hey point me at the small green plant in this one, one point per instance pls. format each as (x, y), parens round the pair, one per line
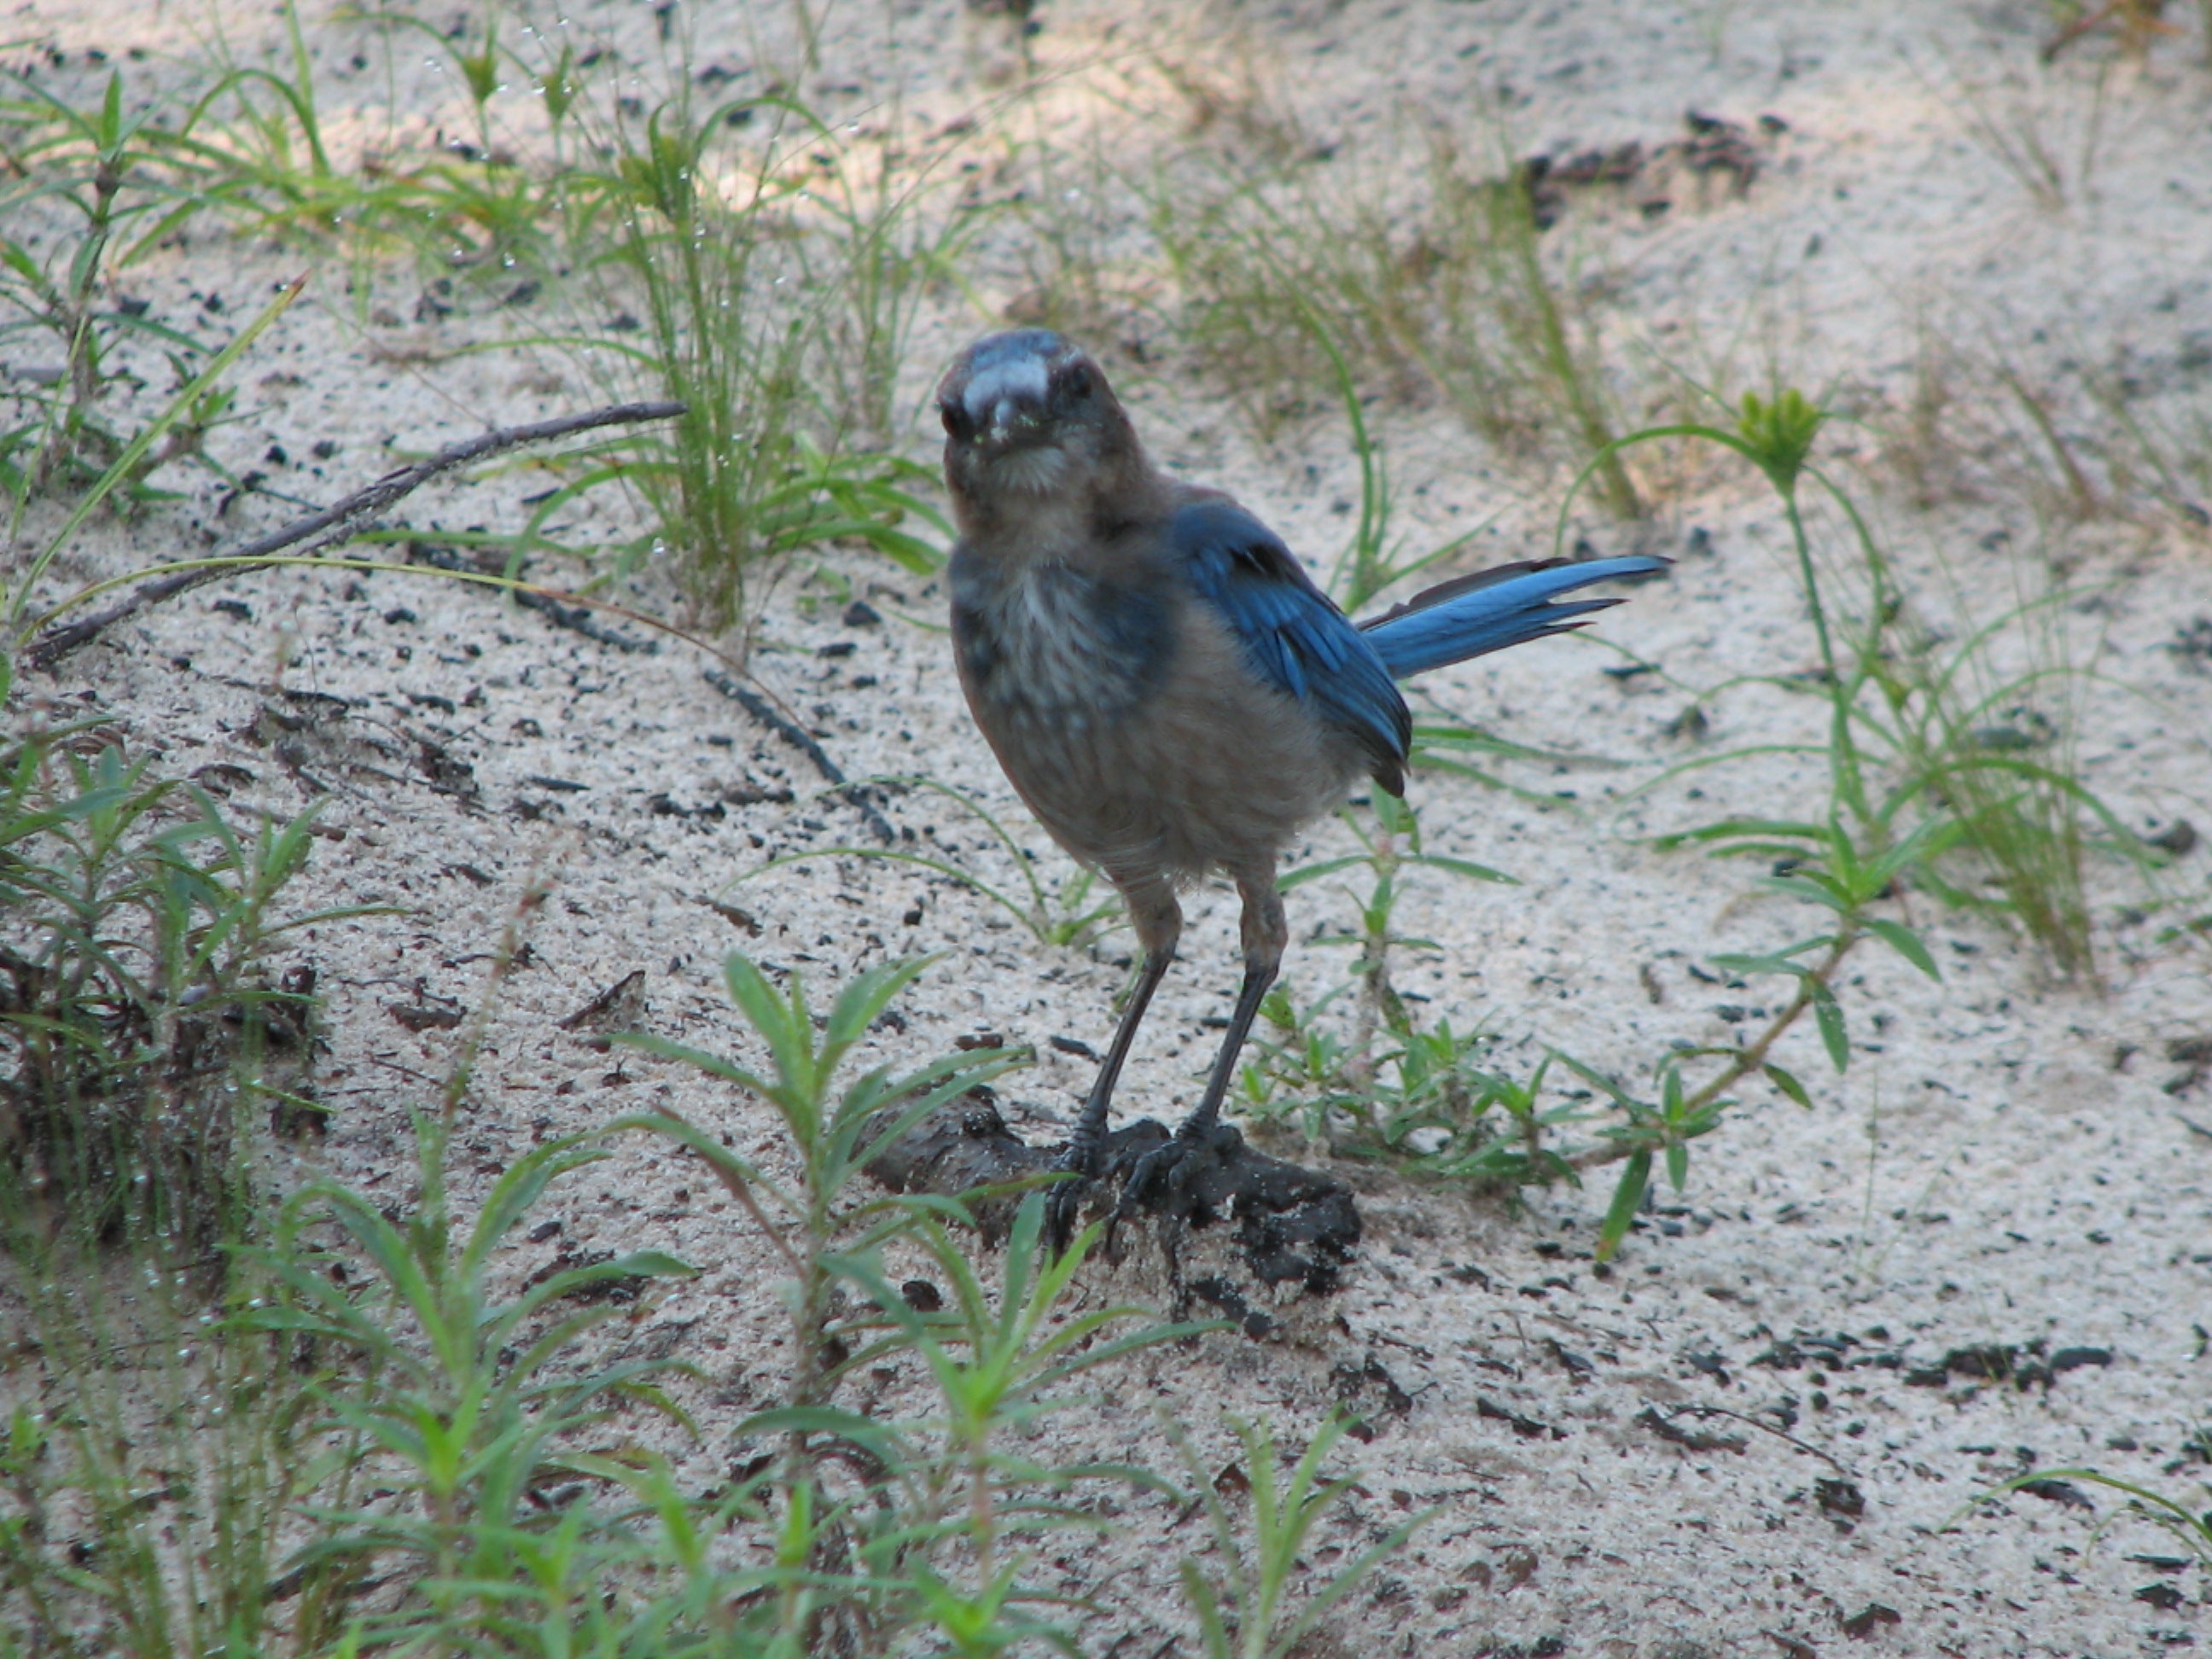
(1373, 561)
(194, 403)
(387, 1437)
(922, 1541)
(995, 1361)
(146, 1501)
(1389, 840)
(1428, 1098)
(697, 234)
(1912, 781)
(256, 140)
(2190, 1527)
(321, 1433)
(364, 1445)
(1919, 775)
(1245, 1603)
(136, 1025)
(1916, 738)
(810, 1222)
(1826, 868)
(100, 187)
(717, 487)
(1384, 1086)
(460, 1406)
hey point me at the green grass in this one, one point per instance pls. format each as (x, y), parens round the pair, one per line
(147, 1499)
(1959, 745)
(141, 1033)
(486, 208)
(145, 1044)
(96, 187)
(2072, 433)
(1378, 1085)
(778, 309)
(1916, 784)
(1245, 1609)
(2190, 1526)
(1942, 775)
(1288, 266)
(778, 315)
(386, 1434)
(372, 1431)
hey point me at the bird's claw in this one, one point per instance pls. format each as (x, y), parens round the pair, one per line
(1063, 1204)
(1152, 1173)
(1142, 1180)
(1063, 1209)
(1145, 1171)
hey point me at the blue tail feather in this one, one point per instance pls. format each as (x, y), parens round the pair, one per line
(1492, 610)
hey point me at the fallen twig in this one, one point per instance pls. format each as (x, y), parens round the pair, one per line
(578, 618)
(1689, 1439)
(803, 740)
(333, 525)
(1667, 1429)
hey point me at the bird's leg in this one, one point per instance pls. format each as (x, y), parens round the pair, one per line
(1088, 1144)
(1266, 933)
(1158, 921)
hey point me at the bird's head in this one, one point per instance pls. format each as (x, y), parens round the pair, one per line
(1027, 414)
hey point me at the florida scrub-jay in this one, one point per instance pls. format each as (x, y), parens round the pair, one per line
(1163, 683)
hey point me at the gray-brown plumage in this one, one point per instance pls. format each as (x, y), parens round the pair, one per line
(1162, 681)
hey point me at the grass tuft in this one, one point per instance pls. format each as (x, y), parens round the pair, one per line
(1289, 265)
(138, 1027)
(724, 276)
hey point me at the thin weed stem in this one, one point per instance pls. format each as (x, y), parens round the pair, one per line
(1749, 1062)
(514, 943)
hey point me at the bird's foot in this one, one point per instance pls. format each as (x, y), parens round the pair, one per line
(1157, 1178)
(1080, 1165)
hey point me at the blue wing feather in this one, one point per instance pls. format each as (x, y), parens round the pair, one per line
(1293, 635)
(1299, 641)
(1492, 610)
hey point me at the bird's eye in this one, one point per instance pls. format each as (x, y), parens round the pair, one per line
(1077, 382)
(955, 419)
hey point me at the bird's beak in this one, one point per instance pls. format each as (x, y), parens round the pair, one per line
(1009, 421)
(1000, 396)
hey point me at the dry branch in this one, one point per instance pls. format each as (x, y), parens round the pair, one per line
(800, 738)
(333, 525)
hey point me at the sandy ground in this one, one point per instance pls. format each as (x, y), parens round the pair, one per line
(2007, 1161)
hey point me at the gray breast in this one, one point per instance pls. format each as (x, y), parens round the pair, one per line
(1049, 644)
